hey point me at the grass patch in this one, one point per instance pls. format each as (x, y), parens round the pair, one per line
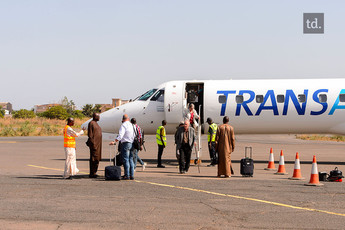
(39, 126)
(26, 129)
(317, 137)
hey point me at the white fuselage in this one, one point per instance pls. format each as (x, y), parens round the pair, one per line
(253, 106)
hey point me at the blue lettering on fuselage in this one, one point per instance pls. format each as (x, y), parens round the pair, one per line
(244, 103)
(299, 108)
(316, 99)
(270, 99)
(225, 93)
(273, 107)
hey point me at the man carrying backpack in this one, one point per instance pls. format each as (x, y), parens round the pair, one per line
(140, 140)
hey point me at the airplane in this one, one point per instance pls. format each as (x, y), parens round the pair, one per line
(270, 106)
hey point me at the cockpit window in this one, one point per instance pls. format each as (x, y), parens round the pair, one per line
(147, 95)
(159, 96)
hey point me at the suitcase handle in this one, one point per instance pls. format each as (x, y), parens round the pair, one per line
(110, 146)
(250, 150)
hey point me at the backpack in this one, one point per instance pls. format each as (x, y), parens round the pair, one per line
(136, 142)
(142, 137)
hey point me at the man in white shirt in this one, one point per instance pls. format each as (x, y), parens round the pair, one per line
(126, 137)
(69, 146)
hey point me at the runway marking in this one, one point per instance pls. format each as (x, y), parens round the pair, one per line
(41, 167)
(243, 198)
(8, 142)
(219, 194)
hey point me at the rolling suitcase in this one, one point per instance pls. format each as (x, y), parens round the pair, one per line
(112, 172)
(247, 163)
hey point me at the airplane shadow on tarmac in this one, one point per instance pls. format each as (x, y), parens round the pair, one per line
(173, 162)
(52, 177)
(215, 177)
(162, 172)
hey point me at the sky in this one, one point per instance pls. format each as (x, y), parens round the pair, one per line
(92, 51)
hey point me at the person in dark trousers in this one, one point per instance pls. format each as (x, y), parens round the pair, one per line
(161, 141)
(185, 140)
(211, 140)
(176, 133)
(94, 142)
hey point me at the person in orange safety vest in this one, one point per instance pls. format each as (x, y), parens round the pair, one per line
(69, 145)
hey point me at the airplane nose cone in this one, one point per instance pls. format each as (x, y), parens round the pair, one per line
(85, 124)
(110, 121)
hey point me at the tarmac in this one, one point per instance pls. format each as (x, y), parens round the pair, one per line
(33, 194)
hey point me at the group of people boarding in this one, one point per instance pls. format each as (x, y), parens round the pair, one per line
(221, 143)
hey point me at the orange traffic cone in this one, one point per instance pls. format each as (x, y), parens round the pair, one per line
(281, 168)
(297, 170)
(271, 162)
(314, 177)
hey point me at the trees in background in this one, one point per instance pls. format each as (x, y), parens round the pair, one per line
(23, 113)
(62, 112)
(56, 112)
(67, 109)
(89, 109)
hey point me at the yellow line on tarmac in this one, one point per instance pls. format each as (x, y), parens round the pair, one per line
(8, 142)
(243, 198)
(41, 167)
(219, 194)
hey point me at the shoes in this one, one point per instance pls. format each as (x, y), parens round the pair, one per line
(68, 178)
(144, 166)
(131, 178)
(182, 172)
(93, 176)
(160, 166)
(124, 178)
(211, 165)
(225, 176)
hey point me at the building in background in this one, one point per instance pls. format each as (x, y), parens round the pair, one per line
(115, 103)
(43, 108)
(7, 107)
(104, 107)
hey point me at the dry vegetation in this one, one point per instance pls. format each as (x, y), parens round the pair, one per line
(317, 137)
(38, 126)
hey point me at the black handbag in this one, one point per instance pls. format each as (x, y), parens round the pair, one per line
(335, 175)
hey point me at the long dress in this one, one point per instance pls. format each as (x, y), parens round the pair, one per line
(225, 145)
(94, 133)
(70, 156)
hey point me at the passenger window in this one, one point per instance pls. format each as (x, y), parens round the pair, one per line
(239, 99)
(280, 98)
(323, 98)
(159, 96)
(301, 98)
(147, 95)
(259, 98)
(342, 97)
(222, 99)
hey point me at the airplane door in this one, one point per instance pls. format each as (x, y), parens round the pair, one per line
(173, 102)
